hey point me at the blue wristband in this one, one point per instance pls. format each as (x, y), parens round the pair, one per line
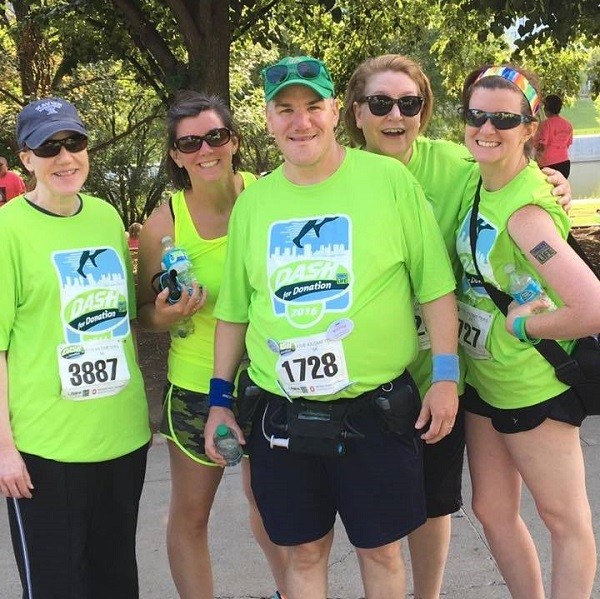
(220, 393)
(520, 332)
(445, 368)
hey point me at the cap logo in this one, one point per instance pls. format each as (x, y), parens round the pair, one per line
(50, 107)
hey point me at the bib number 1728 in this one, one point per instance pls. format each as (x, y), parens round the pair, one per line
(313, 367)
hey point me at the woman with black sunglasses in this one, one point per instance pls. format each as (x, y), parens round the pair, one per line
(73, 412)
(202, 162)
(388, 104)
(387, 108)
(522, 423)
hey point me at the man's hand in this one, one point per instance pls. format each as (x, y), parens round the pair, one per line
(14, 478)
(440, 405)
(216, 416)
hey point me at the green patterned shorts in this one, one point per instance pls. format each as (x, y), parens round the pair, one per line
(183, 420)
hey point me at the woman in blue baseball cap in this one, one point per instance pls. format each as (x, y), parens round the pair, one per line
(73, 413)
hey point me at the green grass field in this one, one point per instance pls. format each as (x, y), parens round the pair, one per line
(585, 213)
(584, 116)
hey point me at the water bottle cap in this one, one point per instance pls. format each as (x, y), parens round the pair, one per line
(166, 238)
(509, 268)
(222, 430)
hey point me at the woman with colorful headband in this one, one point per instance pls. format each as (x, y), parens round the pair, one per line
(522, 423)
(388, 105)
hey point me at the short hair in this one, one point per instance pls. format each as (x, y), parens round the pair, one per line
(387, 62)
(189, 103)
(553, 104)
(472, 82)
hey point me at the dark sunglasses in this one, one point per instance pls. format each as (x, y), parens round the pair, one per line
(278, 73)
(500, 120)
(52, 147)
(382, 105)
(192, 143)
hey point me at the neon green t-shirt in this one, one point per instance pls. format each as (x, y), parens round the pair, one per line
(190, 362)
(446, 172)
(324, 274)
(67, 300)
(512, 374)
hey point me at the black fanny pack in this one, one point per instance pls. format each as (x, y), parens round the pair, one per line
(322, 428)
(318, 428)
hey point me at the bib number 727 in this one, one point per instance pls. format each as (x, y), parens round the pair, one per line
(473, 330)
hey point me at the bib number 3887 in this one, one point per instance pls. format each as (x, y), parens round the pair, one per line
(92, 369)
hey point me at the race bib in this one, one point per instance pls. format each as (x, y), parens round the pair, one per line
(473, 330)
(92, 369)
(422, 334)
(313, 365)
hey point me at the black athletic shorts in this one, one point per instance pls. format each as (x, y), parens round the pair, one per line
(443, 467)
(376, 486)
(563, 408)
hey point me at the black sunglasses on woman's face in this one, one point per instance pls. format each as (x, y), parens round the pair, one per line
(214, 138)
(52, 147)
(501, 120)
(380, 105)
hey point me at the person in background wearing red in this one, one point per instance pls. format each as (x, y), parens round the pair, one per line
(133, 235)
(553, 138)
(11, 183)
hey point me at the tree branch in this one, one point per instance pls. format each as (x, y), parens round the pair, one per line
(252, 19)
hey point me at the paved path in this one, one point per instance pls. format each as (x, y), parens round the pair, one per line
(241, 571)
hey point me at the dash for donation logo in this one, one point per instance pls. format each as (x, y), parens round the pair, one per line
(309, 267)
(98, 309)
(93, 293)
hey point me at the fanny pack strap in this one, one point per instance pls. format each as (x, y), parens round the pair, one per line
(566, 368)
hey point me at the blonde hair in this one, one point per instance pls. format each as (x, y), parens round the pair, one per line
(387, 62)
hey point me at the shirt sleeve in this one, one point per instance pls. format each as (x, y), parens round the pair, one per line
(11, 286)
(428, 263)
(236, 292)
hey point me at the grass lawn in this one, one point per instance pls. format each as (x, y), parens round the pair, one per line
(585, 213)
(584, 116)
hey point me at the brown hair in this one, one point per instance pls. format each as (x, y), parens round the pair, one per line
(134, 230)
(497, 82)
(387, 62)
(190, 103)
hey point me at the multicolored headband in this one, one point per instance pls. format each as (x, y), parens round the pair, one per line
(519, 80)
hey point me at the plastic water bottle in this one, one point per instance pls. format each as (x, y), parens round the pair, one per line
(227, 445)
(524, 288)
(175, 258)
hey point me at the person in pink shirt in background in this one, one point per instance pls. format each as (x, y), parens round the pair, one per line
(11, 184)
(553, 138)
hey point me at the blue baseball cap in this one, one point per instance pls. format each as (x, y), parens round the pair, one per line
(40, 120)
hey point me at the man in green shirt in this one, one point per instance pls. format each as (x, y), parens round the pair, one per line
(325, 256)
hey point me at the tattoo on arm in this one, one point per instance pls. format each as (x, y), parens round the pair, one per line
(542, 252)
